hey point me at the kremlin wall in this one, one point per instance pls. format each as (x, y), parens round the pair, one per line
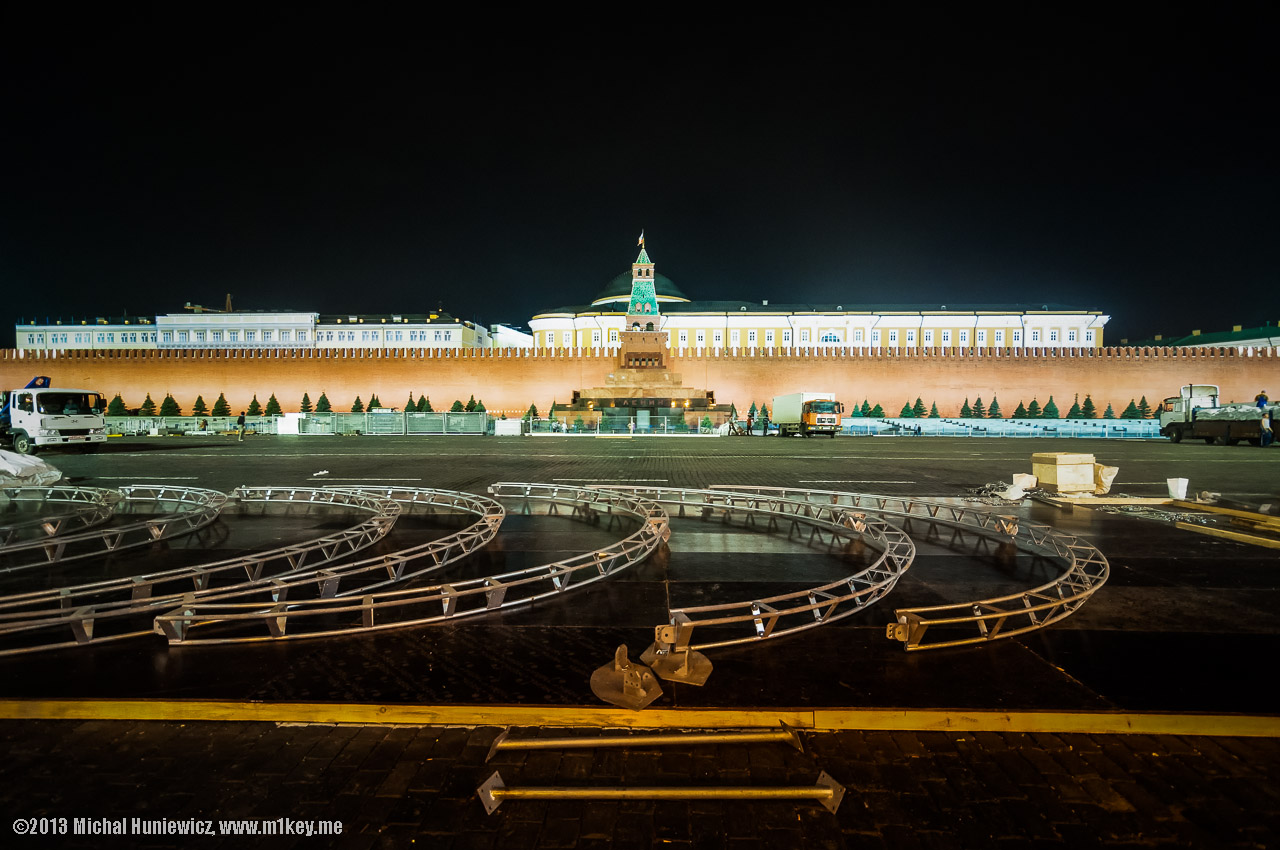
(509, 380)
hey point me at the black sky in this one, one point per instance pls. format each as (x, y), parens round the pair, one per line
(360, 159)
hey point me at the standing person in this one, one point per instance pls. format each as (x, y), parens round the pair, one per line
(240, 425)
(1261, 399)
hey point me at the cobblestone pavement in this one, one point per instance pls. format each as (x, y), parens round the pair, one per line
(401, 787)
(1185, 624)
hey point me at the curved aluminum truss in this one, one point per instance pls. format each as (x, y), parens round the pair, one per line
(426, 605)
(835, 526)
(181, 510)
(34, 620)
(62, 508)
(1085, 569)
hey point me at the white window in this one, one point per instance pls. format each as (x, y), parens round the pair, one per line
(1017, 336)
(751, 338)
(595, 338)
(399, 335)
(199, 336)
(1088, 336)
(964, 337)
(567, 337)
(111, 337)
(133, 337)
(284, 336)
(804, 336)
(250, 336)
(875, 337)
(1035, 336)
(448, 336)
(719, 339)
(233, 336)
(999, 335)
(982, 337)
(911, 337)
(613, 335)
(735, 338)
(928, 337)
(217, 336)
(1071, 335)
(946, 337)
(893, 337)
(768, 339)
(439, 337)
(1053, 335)
(786, 338)
(684, 339)
(183, 336)
(701, 338)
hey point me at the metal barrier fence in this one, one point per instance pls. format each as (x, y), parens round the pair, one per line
(398, 423)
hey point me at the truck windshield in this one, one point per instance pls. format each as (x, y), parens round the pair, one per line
(68, 402)
(823, 407)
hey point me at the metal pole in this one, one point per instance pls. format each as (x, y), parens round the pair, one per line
(827, 791)
(785, 735)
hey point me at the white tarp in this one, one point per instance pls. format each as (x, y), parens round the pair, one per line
(25, 471)
(1234, 412)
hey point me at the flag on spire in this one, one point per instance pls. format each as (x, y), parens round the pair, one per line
(641, 242)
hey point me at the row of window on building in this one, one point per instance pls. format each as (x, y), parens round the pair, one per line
(894, 338)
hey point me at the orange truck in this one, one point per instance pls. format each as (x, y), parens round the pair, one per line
(806, 414)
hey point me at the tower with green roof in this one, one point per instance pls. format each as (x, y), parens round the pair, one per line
(642, 309)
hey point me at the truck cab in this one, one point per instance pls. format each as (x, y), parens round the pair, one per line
(39, 415)
(1182, 407)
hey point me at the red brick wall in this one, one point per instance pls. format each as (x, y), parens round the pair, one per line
(507, 380)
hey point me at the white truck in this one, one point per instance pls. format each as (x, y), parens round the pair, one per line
(1196, 414)
(40, 415)
(806, 414)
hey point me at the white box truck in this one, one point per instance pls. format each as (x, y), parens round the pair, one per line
(806, 414)
(40, 415)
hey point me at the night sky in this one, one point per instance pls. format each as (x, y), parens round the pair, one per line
(389, 161)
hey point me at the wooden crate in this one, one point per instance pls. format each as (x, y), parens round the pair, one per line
(1063, 472)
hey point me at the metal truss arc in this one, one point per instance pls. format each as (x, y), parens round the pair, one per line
(83, 608)
(803, 609)
(78, 508)
(1085, 569)
(393, 609)
(182, 510)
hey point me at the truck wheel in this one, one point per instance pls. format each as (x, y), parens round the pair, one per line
(1231, 441)
(833, 435)
(1175, 435)
(1221, 441)
(23, 444)
(1209, 441)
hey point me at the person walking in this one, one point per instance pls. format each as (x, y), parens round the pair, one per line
(240, 425)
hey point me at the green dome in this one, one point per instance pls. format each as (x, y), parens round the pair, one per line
(619, 289)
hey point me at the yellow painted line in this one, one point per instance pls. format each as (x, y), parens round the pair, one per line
(824, 719)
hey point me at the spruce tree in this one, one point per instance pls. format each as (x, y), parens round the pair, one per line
(1020, 413)
(532, 412)
(1075, 412)
(752, 411)
(410, 405)
(199, 408)
(322, 403)
(764, 414)
(877, 412)
(479, 406)
(856, 411)
(148, 407)
(933, 411)
(1087, 410)
(273, 406)
(374, 404)
(470, 406)
(965, 410)
(733, 412)
(907, 412)
(993, 412)
(459, 407)
(979, 409)
(357, 406)
(255, 409)
(424, 405)
(169, 407)
(221, 407)
(116, 407)
(1109, 414)
(1131, 412)
(1033, 409)
(1050, 410)
(917, 409)
(866, 408)
(305, 407)
(1144, 409)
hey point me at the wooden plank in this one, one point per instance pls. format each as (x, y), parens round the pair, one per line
(1265, 519)
(1238, 536)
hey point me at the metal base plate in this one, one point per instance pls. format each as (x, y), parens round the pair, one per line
(491, 803)
(688, 667)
